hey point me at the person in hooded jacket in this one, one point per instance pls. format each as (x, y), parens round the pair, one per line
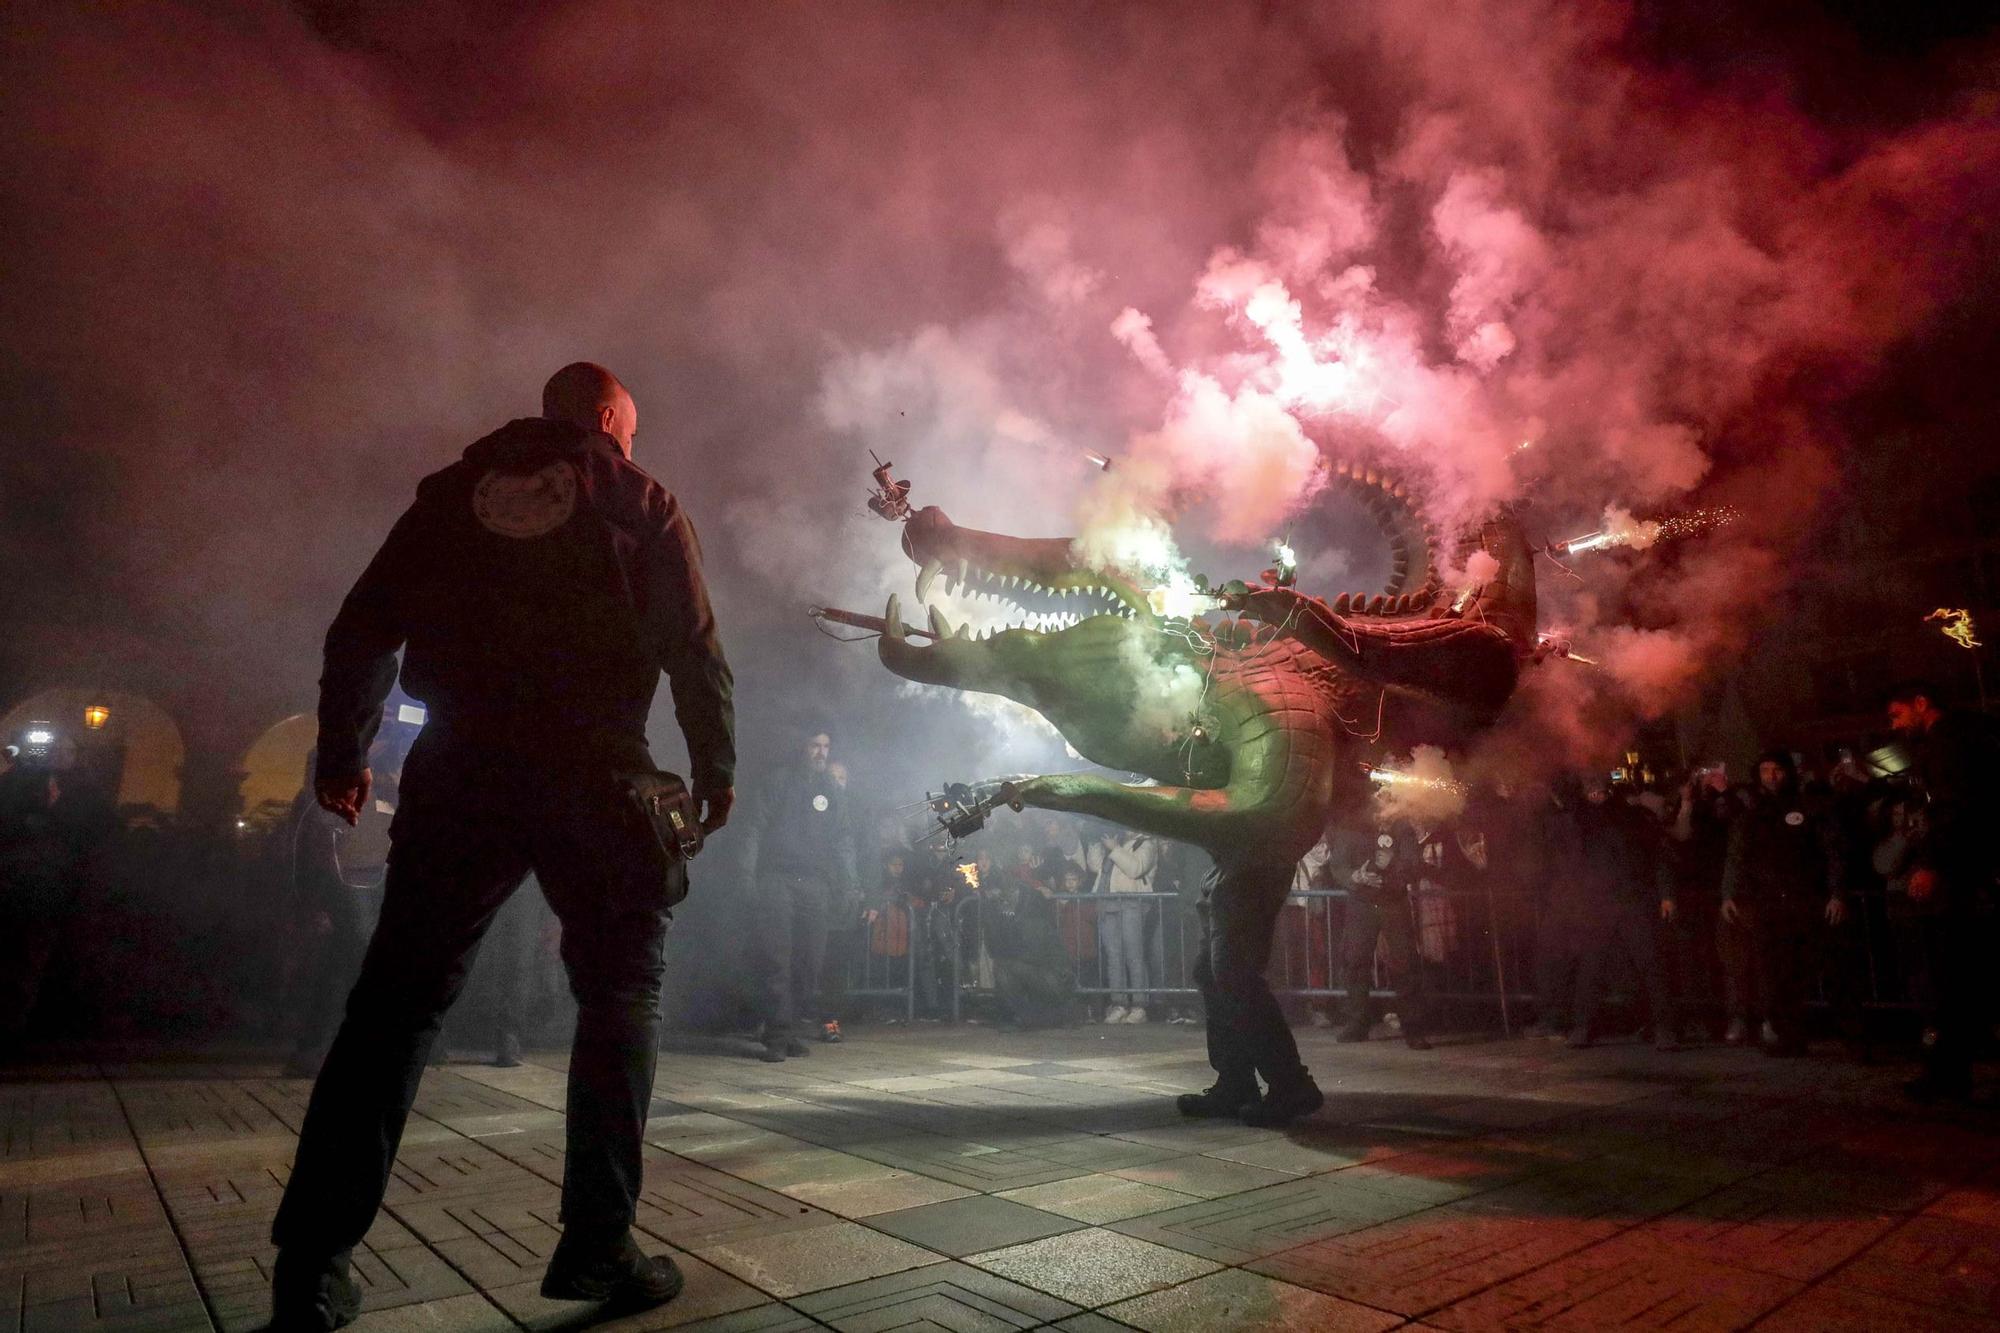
(1625, 890)
(1784, 874)
(537, 589)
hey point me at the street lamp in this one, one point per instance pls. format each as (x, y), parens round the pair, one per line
(95, 716)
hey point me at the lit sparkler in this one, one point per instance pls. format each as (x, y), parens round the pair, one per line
(1956, 622)
(1621, 529)
(969, 872)
(1392, 777)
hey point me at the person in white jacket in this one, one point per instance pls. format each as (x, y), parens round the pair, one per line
(1122, 863)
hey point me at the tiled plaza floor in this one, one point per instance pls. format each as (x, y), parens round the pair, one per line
(962, 1179)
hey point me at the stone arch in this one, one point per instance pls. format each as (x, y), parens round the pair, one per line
(274, 767)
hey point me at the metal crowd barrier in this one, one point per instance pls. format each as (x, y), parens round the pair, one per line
(1477, 947)
(1462, 938)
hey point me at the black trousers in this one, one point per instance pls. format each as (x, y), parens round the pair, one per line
(791, 947)
(468, 830)
(1629, 928)
(1955, 945)
(1558, 931)
(1390, 919)
(1247, 1032)
(1795, 948)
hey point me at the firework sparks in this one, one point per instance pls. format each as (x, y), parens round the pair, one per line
(1696, 522)
(1622, 529)
(1956, 622)
(969, 872)
(1393, 777)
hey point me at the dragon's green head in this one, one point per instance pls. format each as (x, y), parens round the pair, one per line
(1082, 647)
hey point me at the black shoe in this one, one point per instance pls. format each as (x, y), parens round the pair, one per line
(793, 1046)
(626, 1278)
(1281, 1106)
(1216, 1103)
(1353, 1032)
(1416, 1041)
(312, 1295)
(507, 1051)
(771, 1053)
(1578, 1038)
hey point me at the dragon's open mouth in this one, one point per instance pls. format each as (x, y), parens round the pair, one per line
(1018, 601)
(978, 585)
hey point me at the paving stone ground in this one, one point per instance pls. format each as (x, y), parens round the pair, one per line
(964, 1179)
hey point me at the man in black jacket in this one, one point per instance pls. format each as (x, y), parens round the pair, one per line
(1951, 876)
(1784, 873)
(537, 588)
(1624, 889)
(801, 859)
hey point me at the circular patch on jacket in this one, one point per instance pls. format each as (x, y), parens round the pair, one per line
(1384, 840)
(819, 803)
(532, 504)
(1795, 818)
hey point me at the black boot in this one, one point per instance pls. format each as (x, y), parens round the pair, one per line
(507, 1051)
(623, 1275)
(1221, 1102)
(312, 1295)
(1286, 1102)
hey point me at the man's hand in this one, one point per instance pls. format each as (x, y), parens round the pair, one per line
(1923, 883)
(715, 807)
(345, 796)
(1667, 909)
(1729, 912)
(1836, 911)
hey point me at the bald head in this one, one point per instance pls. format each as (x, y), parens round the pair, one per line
(591, 396)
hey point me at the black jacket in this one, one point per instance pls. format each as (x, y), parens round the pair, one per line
(1784, 849)
(1622, 853)
(802, 826)
(538, 587)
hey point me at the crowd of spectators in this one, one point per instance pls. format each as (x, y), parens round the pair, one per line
(1802, 896)
(1753, 908)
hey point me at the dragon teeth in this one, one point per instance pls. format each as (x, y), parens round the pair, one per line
(927, 576)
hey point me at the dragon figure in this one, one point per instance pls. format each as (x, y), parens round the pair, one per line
(1293, 700)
